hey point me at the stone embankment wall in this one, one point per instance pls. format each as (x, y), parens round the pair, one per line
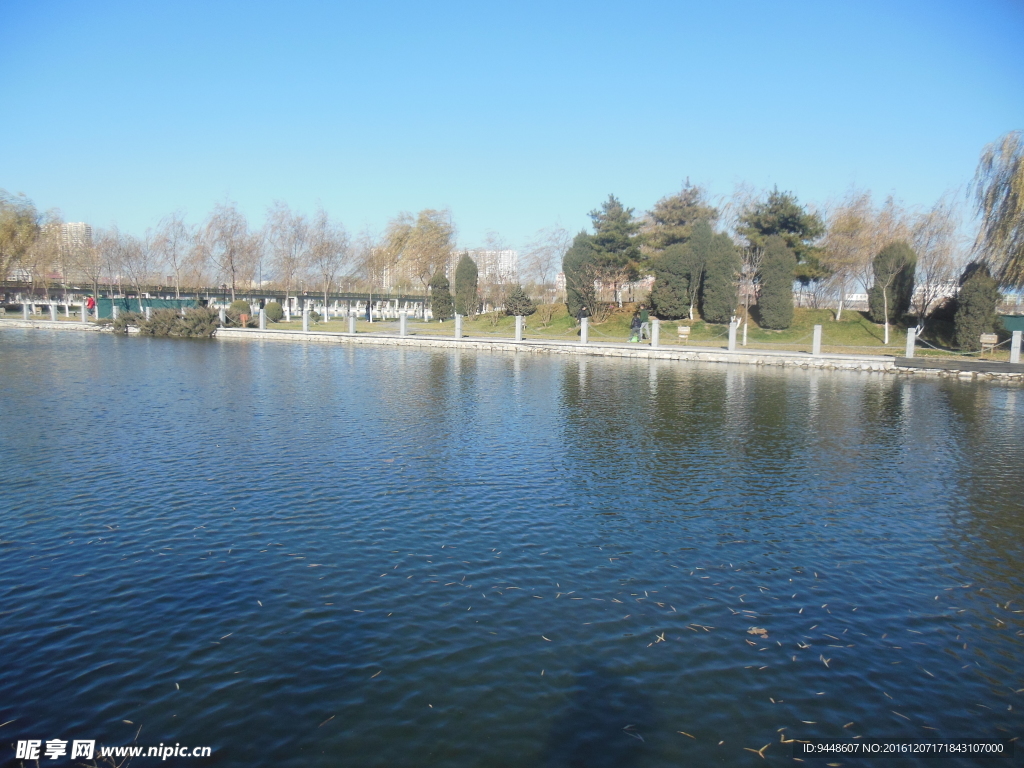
(868, 363)
(753, 357)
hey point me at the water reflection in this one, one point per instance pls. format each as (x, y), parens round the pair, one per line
(602, 723)
(403, 540)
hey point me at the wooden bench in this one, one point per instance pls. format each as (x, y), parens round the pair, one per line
(684, 333)
(988, 342)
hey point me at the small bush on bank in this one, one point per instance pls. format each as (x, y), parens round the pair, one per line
(235, 311)
(197, 322)
(275, 312)
(126, 319)
(162, 323)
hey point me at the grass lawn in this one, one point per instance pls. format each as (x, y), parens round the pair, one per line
(854, 334)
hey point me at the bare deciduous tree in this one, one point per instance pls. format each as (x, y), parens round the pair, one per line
(41, 259)
(91, 263)
(940, 254)
(328, 249)
(543, 257)
(229, 244)
(173, 244)
(133, 256)
(288, 236)
(849, 239)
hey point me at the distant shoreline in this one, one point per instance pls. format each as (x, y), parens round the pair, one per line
(755, 357)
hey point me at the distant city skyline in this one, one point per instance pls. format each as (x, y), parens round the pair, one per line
(372, 110)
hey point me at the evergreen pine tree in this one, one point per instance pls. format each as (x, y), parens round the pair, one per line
(976, 306)
(775, 300)
(719, 292)
(579, 265)
(670, 296)
(672, 219)
(441, 303)
(466, 301)
(519, 303)
(781, 214)
(615, 237)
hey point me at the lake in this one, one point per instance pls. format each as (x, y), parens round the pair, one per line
(306, 555)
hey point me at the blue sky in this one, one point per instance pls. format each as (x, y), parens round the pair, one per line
(514, 115)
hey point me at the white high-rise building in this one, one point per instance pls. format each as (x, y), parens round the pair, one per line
(493, 267)
(75, 237)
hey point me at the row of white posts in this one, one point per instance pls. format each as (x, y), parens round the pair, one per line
(584, 330)
(27, 310)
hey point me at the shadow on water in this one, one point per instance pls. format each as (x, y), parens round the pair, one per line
(601, 724)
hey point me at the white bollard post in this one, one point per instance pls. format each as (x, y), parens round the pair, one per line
(223, 317)
(744, 334)
(816, 342)
(911, 341)
(287, 312)
(305, 320)
(401, 323)
(1015, 347)
(351, 323)
(85, 313)
(458, 326)
(655, 332)
(519, 327)
(584, 330)
(732, 335)
(149, 313)
(263, 319)
(113, 310)
(24, 311)
(53, 313)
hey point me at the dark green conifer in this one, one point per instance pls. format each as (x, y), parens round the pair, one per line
(976, 306)
(775, 298)
(441, 302)
(466, 301)
(719, 294)
(519, 303)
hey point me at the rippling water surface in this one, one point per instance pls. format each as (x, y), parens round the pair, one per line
(330, 556)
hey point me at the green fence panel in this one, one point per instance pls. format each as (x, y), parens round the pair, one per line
(1013, 322)
(106, 306)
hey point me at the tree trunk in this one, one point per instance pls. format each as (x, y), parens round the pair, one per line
(885, 306)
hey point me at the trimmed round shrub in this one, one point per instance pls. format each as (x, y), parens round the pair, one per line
(275, 313)
(239, 307)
